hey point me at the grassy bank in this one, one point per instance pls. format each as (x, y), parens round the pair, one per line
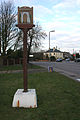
(58, 97)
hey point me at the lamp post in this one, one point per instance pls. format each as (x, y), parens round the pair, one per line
(49, 42)
(49, 37)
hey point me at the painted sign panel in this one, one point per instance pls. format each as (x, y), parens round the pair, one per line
(25, 15)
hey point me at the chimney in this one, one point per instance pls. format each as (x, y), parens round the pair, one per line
(53, 48)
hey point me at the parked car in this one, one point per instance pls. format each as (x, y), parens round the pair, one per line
(59, 60)
(77, 60)
(68, 59)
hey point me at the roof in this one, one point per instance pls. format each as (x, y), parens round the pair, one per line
(51, 50)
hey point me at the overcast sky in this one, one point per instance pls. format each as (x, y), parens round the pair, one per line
(63, 16)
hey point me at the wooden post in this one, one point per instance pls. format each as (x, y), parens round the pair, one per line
(25, 76)
(25, 23)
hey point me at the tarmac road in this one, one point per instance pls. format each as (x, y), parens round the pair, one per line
(68, 68)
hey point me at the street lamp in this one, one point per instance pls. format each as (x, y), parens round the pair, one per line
(49, 37)
(49, 43)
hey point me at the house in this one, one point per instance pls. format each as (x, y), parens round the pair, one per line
(53, 52)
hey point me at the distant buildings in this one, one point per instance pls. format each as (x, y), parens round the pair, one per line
(53, 52)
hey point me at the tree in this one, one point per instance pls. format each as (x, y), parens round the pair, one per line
(15, 54)
(34, 38)
(8, 31)
(35, 35)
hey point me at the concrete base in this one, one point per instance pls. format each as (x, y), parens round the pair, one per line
(25, 99)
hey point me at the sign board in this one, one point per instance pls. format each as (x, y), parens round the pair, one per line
(50, 69)
(25, 15)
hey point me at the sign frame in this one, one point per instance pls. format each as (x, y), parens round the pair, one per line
(25, 15)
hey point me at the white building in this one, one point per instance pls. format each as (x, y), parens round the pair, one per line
(53, 52)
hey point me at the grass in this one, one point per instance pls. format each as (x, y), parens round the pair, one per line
(58, 97)
(18, 67)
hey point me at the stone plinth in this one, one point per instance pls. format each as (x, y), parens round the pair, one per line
(25, 99)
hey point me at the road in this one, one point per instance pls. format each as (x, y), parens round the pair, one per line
(70, 69)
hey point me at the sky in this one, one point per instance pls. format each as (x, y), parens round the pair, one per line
(63, 16)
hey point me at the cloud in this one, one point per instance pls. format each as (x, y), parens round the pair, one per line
(78, 11)
(78, 2)
(67, 4)
(42, 11)
(67, 28)
(64, 39)
(63, 5)
(60, 5)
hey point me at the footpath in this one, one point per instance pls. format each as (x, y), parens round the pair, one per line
(20, 71)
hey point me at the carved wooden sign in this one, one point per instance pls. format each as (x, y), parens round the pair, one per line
(25, 15)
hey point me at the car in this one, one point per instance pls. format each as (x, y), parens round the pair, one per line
(59, 60)
(68, 59)
(77, 60)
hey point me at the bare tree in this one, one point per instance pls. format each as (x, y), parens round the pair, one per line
(8, 31)
(34, 38)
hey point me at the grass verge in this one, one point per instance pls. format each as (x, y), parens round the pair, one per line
(18, 67)
(58, 97)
